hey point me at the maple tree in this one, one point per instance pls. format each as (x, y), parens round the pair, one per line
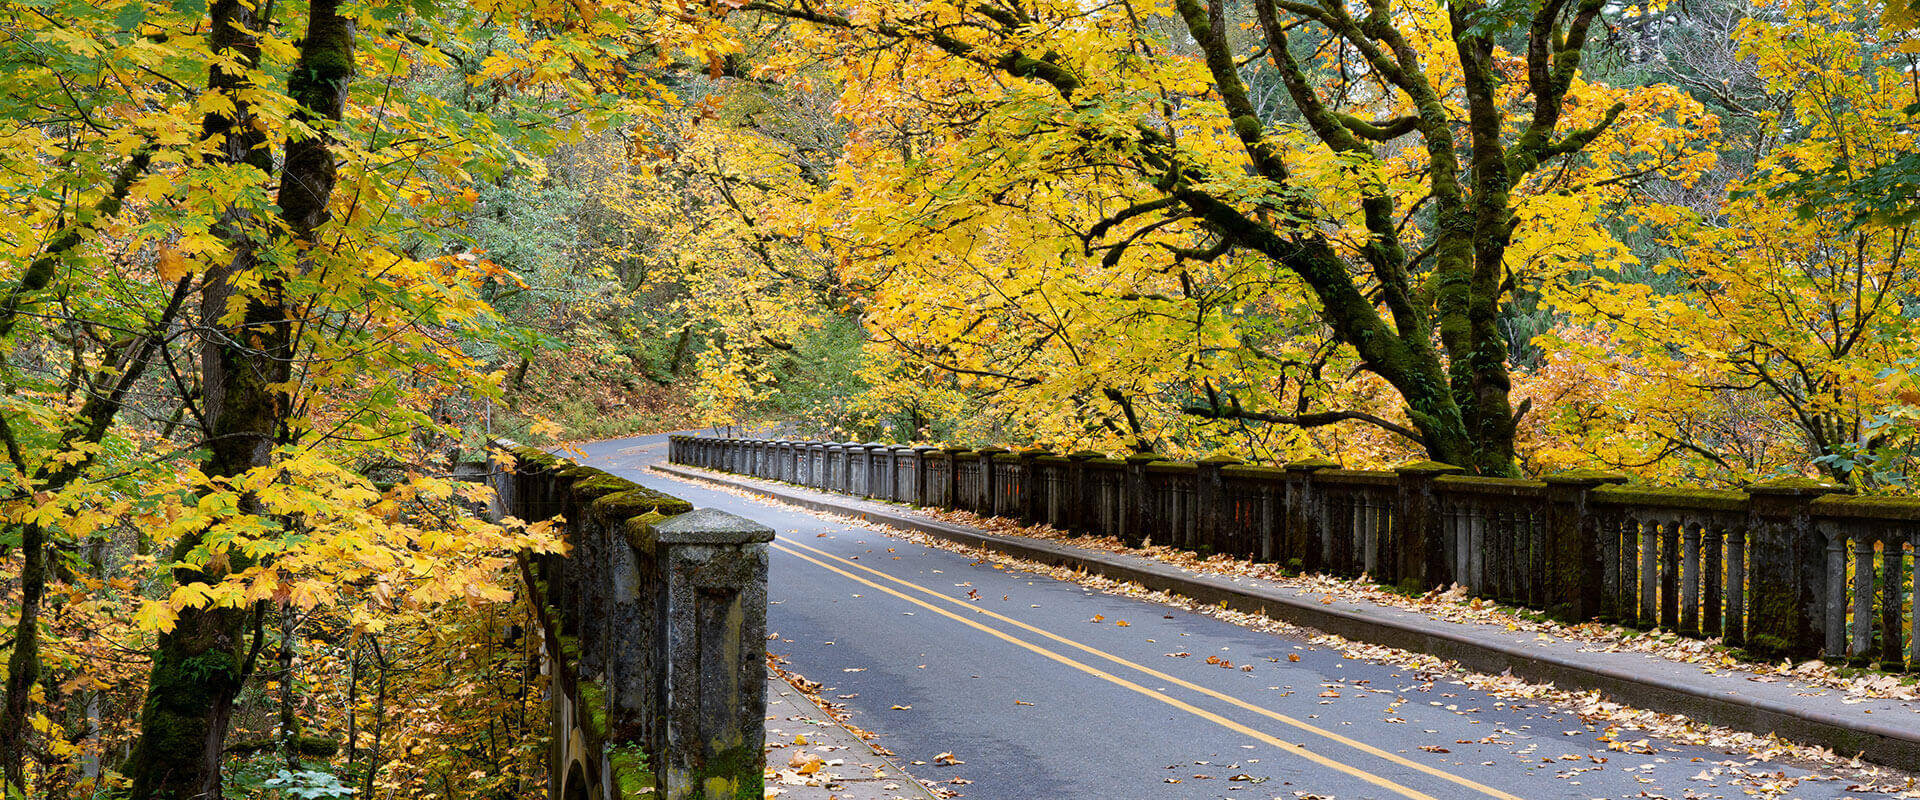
(238, 225)
(1073, 168)
(269, 270)
(1788, 338)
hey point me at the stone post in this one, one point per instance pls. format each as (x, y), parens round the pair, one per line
(1133, 507)
(1210, 502)
(1576, 586)
(1304, 514)
(1788, 580)
(712, 679)
(1422, 551)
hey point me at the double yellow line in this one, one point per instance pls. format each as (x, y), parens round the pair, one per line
(794, 549)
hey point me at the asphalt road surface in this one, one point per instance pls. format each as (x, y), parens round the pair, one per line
(1041, 688)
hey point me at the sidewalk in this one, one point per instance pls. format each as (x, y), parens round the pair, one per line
(1884, 731)
(799, 731)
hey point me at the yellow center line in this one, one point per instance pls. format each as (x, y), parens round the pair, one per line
(1257, 735)
(1221, 696)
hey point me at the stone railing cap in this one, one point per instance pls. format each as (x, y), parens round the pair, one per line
(710, 526)
(1218, 461)
(1310, 464)
(1800, 487)
(1142, 458)
(1427, 467)
(990, 450)
(1588, 477)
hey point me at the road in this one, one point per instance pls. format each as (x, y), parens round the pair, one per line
(1047, 689)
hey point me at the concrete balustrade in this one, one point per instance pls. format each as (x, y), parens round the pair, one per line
(1790, 568)
(654, 627)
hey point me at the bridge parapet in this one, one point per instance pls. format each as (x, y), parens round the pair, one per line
(654, 625)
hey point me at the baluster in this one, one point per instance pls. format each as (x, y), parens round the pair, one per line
(1690, 579)
(1835, 622)
(1711, 585)
(1370, 535)
(1543, 562)
(1736, 617)
(1477, 532)
(1913, 632)
(1649, 576)
(1608, 527)
(1862, 596)
(1509, 550)
(1670, 574)
(1892, 597)
(1629, 570)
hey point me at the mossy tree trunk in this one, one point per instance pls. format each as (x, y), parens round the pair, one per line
(200, 665)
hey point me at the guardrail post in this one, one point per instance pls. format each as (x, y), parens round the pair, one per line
(1210, 501)
(1788, 579)
(1133, 507)
(713, 591)
(1577, 585)
(1305, 514)
(1422, 550)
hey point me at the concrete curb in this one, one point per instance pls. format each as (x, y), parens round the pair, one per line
(1627, 678)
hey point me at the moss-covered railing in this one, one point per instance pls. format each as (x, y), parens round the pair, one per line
(655, 623)
(1790, 567)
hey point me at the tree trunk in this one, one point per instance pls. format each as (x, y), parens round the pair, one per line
(198, 668)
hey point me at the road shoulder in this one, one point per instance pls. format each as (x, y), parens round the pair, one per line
(799, 730)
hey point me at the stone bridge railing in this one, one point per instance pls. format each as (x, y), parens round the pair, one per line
(654, 626)
(1789, 567)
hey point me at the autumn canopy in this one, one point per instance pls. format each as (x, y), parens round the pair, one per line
(270, 270)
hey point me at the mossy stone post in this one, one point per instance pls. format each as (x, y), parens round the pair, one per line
(1420, 526)
(712, 681)
(1577, 584)
(1210, 507)
(983, 500)
(1031, 511)
(1305, 514)
(1133, 507)
(1788, 578)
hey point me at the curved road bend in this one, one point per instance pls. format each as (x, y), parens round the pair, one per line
(1009, 672)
